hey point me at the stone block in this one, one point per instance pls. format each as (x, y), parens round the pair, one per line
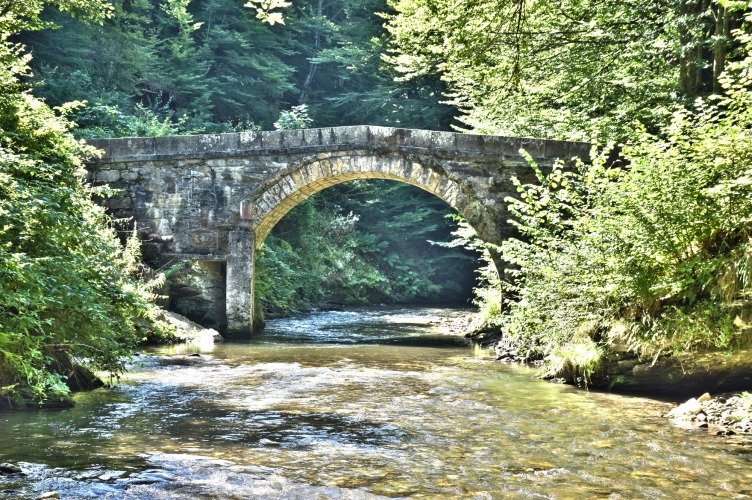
(443, 141)
(313, 137)
(381, 136)
(500, 146)
(218, 142)
(419, 139)
(357, 136)
(167, 145)
(108, 175)
(293, 138)
(204, 240)
(249, 140)
(271, 140)
(469, 144)
(534, 147)
(129, 175)
(130, 147)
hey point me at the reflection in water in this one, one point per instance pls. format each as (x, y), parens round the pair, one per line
(356, 405)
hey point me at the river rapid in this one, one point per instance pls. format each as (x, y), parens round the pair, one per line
(360, 404)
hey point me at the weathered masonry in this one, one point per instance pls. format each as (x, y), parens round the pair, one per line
(214, 198)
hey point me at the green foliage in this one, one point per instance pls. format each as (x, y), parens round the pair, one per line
(65, 280)
(296, 117)
(204, 66)
(370, 246)
(105, 121)
(264, 10)
(584, 70)
(653, 254)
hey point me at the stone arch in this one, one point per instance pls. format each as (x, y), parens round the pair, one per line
(284, 192)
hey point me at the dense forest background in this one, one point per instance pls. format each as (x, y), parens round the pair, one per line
(203, 66)
(651, 253)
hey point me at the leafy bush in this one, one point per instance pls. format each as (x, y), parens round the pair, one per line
(65, 280)
(652, 254)
(105, 121)
(296, 117)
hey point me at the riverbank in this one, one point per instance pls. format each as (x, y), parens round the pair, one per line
(79, 378)
(727, 376)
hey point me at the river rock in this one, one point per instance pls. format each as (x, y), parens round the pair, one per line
(189, 331)
(687, 410)
(7, 468)
(49, 494)
(731, 411)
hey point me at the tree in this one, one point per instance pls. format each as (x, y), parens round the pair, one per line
(582, 70)
(650, 254)
(65, 279)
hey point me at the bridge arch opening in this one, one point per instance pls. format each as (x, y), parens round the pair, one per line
(287, 190)
(281, 193)
(364, 242)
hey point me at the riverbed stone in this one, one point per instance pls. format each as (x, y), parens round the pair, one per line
(732, 411)
(48, 495)
(8, 468)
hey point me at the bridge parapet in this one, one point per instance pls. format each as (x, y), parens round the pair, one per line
(362, 137)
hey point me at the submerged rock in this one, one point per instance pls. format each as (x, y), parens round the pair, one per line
(49, 494)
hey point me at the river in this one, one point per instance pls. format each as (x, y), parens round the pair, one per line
(360, 404)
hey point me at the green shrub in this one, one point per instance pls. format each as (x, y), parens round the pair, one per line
(65, 280)
(652, 253)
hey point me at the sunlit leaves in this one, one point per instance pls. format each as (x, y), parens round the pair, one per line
(264, 10)
(64, 277)
(575, 70)
(659, 245)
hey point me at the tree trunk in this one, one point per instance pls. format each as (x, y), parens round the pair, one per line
(719, 49)
(317, 46)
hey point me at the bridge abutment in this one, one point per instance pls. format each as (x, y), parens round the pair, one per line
(239, 283)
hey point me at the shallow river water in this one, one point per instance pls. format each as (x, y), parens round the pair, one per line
(360, 404)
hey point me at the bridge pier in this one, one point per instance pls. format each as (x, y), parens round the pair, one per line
(239, 284)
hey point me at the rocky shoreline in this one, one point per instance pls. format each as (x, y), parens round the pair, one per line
(730, 412)
(727, 413)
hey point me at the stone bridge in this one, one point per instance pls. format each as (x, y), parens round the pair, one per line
(215, 198)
